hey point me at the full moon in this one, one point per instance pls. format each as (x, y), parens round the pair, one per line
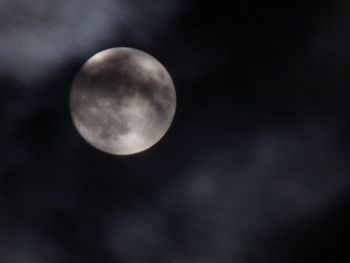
(122, 101)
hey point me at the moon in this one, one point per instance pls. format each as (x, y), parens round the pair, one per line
(122, 101)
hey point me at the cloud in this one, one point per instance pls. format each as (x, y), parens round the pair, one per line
(35, 38)
(223, 206)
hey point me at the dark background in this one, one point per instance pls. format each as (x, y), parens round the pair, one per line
(254, 168)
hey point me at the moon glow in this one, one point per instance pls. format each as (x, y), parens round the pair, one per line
(122, 101)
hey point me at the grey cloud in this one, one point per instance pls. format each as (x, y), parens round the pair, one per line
(24, 245)
(220, 210)
(36, 37)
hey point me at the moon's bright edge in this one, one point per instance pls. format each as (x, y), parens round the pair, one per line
(122, 101)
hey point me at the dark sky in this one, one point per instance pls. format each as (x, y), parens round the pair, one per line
(255, 167)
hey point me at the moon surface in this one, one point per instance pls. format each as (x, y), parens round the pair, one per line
(122, 101)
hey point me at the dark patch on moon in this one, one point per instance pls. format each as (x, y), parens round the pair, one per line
(123, 101)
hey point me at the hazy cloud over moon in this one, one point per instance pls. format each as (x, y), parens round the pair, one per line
(123, 101)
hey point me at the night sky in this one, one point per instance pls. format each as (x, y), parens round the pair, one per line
(255, 167)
